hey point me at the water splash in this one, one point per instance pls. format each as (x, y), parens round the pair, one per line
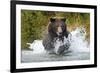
(36, 46)
(76, 39)
(78, 42)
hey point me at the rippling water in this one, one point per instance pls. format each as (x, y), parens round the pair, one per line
(79, 50)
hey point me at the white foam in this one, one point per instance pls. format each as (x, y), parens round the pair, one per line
(37, 46)
(78, 42)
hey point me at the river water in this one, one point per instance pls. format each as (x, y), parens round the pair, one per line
(79, 50)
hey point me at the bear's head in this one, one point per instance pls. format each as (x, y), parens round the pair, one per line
(57, 26)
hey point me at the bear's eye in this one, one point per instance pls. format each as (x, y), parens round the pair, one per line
(63, 25)
(57, 25)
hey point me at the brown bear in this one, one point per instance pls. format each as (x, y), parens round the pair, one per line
(57, 30)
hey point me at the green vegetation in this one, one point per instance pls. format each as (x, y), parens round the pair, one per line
(34, 24)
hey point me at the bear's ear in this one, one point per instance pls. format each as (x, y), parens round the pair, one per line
(63, 19)
(52, 19)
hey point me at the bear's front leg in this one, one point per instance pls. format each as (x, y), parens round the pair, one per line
(62, 49)
(48, 45)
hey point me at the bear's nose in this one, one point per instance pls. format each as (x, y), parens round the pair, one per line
(59, 30)
(60, 33)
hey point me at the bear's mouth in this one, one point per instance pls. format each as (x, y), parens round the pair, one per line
(59, 33)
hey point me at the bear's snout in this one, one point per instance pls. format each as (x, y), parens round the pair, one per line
(59, 31)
